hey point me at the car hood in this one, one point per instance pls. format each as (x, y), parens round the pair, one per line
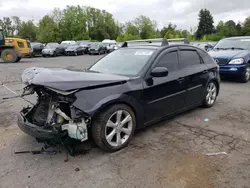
(66, 80)
(228, 53)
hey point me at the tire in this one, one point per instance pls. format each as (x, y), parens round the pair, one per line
(99, 53)
(211, 93)
(9, 56)
(101, 132)
(245, 78)
(54, 54)
(18, 59)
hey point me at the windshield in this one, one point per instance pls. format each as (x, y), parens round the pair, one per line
(51, 45)
(243, 43)
(127, 62)
(63, 45)
(94, 45)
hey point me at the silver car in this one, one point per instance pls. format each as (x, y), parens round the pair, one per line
(50, 49)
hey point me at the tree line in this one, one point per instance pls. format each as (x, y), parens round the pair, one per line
(88, 23)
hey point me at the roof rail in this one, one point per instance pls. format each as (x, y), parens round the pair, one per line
(163, 41)
(185, 40)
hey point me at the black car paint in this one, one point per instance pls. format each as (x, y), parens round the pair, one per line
(37, 48)
(100, 49)
(150, 98)
(76, 50)
(66, 80)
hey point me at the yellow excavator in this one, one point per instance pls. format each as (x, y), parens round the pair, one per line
(9, 54)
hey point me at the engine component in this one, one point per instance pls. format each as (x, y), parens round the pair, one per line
(77, 130)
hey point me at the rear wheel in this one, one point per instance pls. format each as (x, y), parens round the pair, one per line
(9, 56)
(245, 78)
(114, 128)
(211, 95)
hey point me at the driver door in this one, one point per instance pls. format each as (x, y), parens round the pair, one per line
(163, 96)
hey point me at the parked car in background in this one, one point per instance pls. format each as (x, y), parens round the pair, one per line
(233, 57)
(50, 49)
(37, 48)
(62, 47)
(109, 44)
(97, 48)
(204, 45)
(85, 45)
(126, 90)
(75, 49)
(113, 48)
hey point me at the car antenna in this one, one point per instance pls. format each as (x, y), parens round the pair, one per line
(16, 95)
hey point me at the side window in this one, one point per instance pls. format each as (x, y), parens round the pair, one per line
(207, 59)
(170, 61)
(188, 58)
(20, 44)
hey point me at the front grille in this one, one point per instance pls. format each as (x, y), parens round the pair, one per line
(221, 61)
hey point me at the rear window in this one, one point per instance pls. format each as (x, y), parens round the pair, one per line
(207, 59)
(20, 44)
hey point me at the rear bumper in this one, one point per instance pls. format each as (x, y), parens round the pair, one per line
(233, 70)
(34, 130)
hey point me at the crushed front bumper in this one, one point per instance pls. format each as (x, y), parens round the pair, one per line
(34, 130)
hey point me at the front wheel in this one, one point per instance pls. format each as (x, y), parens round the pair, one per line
(9, 56)
(245, 78)
(211, 94)
(114, 128)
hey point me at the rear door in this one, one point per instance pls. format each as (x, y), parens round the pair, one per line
(165, 95)
(196, 72)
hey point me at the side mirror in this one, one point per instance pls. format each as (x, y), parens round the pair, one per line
(159, 72)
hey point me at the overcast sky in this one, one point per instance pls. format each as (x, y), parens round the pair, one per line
(183, 13)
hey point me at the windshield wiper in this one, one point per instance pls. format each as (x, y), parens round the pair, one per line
(234, 48)
(220, 48)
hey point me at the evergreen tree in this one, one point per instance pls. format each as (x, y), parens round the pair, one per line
(206, 22)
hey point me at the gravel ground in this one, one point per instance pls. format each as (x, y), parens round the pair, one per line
(170, 154)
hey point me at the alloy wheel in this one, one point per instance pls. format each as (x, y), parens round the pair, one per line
(211, 93)
(118, 128)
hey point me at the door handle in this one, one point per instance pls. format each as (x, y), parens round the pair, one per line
(180, 79)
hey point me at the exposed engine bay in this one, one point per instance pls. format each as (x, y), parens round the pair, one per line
(54, 114)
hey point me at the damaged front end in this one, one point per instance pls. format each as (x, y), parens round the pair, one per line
(53, 118)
